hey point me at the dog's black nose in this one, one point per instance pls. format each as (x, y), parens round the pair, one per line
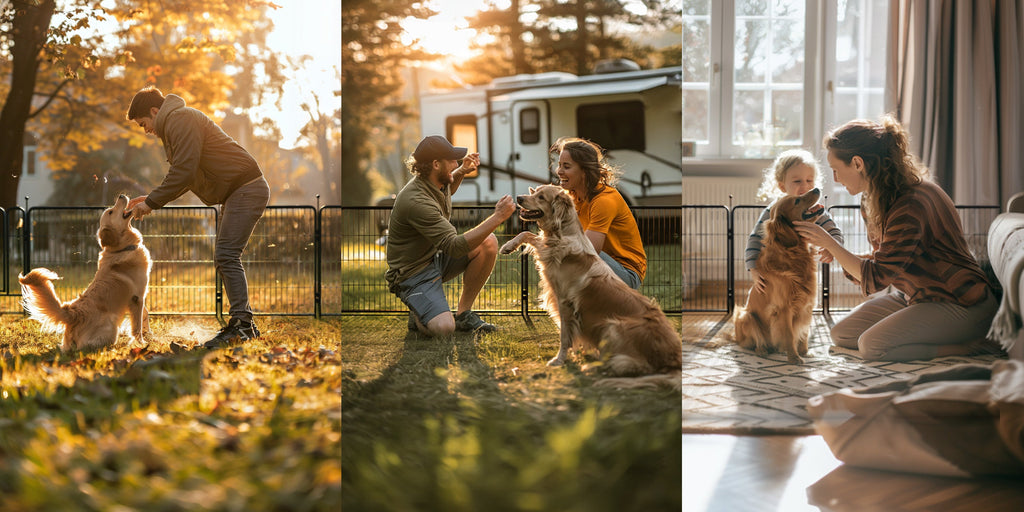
(519, 199)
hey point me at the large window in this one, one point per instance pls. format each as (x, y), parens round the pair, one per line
(761, 76)
(617, 125)
(859, 77)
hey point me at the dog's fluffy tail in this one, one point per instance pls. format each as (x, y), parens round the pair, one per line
(671, 380)
(40, 299)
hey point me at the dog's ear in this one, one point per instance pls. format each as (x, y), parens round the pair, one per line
(532, 190)
(781, 230)
(563, 209)
(775, 212)
(107, 236)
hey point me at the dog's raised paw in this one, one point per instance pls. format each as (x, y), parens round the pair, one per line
(508, 248)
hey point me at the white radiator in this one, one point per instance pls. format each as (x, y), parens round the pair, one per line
(716, 190)
(704, 230)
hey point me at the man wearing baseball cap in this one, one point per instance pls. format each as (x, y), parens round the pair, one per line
(424, 249)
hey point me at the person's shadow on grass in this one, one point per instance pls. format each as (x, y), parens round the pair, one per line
(421, 378)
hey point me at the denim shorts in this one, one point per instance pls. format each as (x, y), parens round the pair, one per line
(423, 291)
(628, 275)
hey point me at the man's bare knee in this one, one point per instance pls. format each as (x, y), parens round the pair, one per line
(441, 325)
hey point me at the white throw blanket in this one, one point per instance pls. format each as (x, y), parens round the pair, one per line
(1006, 252)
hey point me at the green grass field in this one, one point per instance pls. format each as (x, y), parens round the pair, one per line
(161, 427)
(469, 423)
(364, 289)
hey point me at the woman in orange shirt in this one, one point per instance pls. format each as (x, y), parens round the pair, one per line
(606, 218)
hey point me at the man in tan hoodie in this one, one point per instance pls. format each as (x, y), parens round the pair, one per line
(210, 164)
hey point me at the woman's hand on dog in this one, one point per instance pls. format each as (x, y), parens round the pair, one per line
(814, 234)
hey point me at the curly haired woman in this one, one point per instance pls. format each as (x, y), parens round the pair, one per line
(606, 218)
(928, 297)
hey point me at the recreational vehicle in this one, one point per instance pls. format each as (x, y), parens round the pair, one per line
(635, 115)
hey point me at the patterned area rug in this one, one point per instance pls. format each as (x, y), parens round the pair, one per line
(729, 390)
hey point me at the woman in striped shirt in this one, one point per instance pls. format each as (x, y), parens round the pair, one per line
(928, 297)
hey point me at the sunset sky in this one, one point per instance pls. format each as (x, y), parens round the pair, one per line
(307, 27)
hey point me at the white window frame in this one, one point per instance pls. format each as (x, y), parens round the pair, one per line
(819, 84)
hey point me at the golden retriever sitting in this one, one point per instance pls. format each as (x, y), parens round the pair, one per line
(779, 319)
(120, 285)
(592, 307)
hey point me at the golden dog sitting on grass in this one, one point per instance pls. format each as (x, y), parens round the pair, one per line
(119, 287)
(780, 318)
(592, 307)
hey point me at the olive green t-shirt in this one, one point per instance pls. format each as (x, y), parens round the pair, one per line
(419, 227)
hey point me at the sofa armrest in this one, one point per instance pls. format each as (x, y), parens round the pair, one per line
(1016, 203)
(1006, 253)
(1017, 348)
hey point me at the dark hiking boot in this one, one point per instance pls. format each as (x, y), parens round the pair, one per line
(235, 332)
(469, 321)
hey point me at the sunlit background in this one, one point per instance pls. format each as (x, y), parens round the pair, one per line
(267, 72)
(448, 32)
(307, 27)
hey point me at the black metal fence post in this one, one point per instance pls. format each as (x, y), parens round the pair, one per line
(318, 260)
(524, 284)
(4, 250)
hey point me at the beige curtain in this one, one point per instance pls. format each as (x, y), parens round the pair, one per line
(955, 82)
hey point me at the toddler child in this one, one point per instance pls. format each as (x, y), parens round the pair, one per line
(793, 173)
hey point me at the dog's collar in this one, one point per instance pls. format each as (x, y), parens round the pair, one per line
(128, 249)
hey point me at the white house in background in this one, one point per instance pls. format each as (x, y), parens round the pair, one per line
(36, 180)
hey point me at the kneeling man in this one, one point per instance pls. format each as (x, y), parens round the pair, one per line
(424, 249)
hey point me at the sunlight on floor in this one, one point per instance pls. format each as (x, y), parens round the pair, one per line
(703, 466)
(724, 473)
(814, 462)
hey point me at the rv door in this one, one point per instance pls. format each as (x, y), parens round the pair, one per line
(531, 139)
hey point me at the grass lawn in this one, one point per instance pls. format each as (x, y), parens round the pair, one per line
(470, 423)
(160, 427)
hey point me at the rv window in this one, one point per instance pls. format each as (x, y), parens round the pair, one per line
(529, 125)
(618, 125)
(461, 132)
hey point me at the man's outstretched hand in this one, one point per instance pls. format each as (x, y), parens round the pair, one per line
(139, 208)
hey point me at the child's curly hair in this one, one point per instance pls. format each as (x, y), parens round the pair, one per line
(773, 177)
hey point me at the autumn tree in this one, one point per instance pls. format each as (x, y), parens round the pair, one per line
(372, 56)
(89, 59)
(23, 32)
(323, 134)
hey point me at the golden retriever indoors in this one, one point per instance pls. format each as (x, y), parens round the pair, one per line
(592, 307)
(119, 287)
(779, 319)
